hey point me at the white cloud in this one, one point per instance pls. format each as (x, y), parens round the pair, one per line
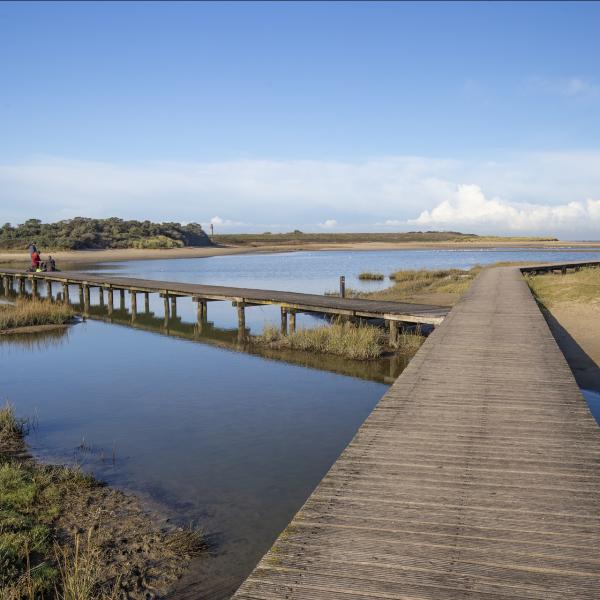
(328, 224)
(400, 192)
(226, 222)
(469, 208)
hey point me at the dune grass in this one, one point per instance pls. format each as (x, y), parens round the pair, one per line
(370, 276)
(582, 286)
(32, 312)
(340, 338)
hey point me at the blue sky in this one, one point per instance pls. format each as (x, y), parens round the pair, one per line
(338, 116)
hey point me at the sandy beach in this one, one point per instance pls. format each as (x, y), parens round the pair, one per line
(118, 255)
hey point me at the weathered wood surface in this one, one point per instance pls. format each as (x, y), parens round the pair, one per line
(477, 476)
(401, 311)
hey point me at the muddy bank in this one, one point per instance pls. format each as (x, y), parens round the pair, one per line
(127, 551)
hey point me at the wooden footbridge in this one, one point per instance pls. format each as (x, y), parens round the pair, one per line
(477, 476)
(394, 313)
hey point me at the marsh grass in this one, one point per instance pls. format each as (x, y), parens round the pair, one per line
(370, 276)
(340, 338)
(582, 286)
(410, 283)
(32, 312)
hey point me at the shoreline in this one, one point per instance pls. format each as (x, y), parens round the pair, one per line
(129, 254)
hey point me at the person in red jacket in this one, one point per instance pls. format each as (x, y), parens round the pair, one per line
(35, 260)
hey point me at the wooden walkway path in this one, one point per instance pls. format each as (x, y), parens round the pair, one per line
(477, 476)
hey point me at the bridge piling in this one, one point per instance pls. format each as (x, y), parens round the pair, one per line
(133, 304)
(284, 321)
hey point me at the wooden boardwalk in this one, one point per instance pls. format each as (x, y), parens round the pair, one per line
(477, 476)
(291, 302)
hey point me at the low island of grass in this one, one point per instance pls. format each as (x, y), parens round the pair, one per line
(356, 341)
(33, 315)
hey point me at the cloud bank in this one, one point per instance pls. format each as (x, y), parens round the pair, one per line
(534, 193)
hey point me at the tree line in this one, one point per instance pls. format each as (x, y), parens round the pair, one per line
(84, 234)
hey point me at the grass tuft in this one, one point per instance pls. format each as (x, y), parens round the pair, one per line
(370, 276)
(28, 312)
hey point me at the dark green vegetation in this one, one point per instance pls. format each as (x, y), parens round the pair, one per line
(298, 237)
(84, 234)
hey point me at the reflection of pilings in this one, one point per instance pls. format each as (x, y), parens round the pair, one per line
(49, 289)
(133, 301)
(111, 301)
(241, 321)
(65, 287)
(81, 298)
(393, 325)
(292, 321)
(165, 297)
(122, 299)
(201, 314)
(174, 306)
(146, 302)
(284, 320)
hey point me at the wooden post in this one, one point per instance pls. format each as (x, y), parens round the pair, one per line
(48, 289)
(21, 286)
(122, 301)
(133, 303)
(292, 321)
(34, 287)
(284, 327)
(65, 287)
(393, 333)
(111, 301)
(342, 286)
(241, 321)
(174, 305)
(5, 282)
(146, 302)
(81, 299)
(101, 296)
(86, 298)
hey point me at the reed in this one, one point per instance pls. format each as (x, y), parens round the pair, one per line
(340, 338)
(32, 312)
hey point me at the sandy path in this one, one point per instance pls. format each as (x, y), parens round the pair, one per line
(576, 328)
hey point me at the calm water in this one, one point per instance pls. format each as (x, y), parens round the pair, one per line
(231, 441)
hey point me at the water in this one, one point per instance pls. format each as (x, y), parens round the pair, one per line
(231, 441)
(593, 399)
